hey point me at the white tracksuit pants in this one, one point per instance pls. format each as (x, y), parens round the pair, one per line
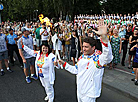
(48, 88)
(84, 98)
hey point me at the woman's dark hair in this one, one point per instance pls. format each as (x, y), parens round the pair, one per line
(45, 44)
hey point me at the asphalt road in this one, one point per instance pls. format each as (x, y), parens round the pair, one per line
(13, 88)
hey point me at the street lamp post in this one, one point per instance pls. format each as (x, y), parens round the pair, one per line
(101, 3)
(36, 14)
(36, 11)
(91, 12)
(1, 8)
(102, 12)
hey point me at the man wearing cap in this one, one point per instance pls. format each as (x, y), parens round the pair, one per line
(3, 54)
(28, 60)
(12, 46)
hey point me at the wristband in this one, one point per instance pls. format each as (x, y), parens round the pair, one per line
(64, 64)
(105, 44)
(22, 46)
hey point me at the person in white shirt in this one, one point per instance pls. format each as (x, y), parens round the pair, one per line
(44, 34)
(90, 66)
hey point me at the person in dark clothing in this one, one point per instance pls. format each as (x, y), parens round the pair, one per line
(135, 63)
(125, 43)
(132, 42)
(12, 46)
(75, 46)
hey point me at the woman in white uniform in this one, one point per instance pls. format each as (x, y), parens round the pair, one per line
(44, 64)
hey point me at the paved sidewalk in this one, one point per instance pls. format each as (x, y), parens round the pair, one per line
(120, 80)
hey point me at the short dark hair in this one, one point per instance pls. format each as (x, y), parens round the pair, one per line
(44, 44)
(10, 29)
(130, 25)
(43, 24)
(90, 40)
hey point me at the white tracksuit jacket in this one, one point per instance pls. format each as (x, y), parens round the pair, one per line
(89, 71)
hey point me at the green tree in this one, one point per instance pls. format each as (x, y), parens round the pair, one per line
(20, 10)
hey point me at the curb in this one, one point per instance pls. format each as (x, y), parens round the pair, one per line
(120, 91)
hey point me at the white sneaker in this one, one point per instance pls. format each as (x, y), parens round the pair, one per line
(46, 98)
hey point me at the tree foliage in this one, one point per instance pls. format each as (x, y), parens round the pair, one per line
(121, 6)
(22, 10)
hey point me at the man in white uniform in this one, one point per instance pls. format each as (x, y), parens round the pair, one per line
(44, 32)
(90, 66)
